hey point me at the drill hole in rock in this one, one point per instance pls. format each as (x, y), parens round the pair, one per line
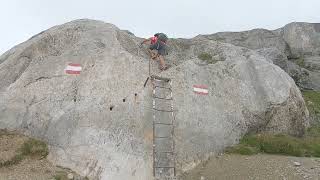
(111, 108)
(124, 100)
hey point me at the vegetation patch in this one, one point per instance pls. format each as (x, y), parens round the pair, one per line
(33, 147)
(61, 176)
(300, 62)
(15, 160)
(312, 99)
(30, 148)
(207, 57)
(309, 145)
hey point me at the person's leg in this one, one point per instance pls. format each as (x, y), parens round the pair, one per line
(162, 62)
(155, 54)
(161, 53)
(151, 49)
(152, 53)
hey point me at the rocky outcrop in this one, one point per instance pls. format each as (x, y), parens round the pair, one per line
(99, 123)
(302, 38)
(254, 39)
(293, 43)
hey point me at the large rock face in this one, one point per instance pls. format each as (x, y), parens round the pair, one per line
(99, 123)
(303, 38)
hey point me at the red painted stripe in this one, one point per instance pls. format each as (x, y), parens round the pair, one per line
(201, 86)
(72, 64)
(72, 72)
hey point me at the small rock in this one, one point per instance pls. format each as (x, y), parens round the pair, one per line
(202, 178)
(297, 164)
(70, 176)
(247, 159)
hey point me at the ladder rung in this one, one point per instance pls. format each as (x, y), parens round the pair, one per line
(162, 87)
(169, 167)
(164, 137)
(162, 98)
(160, 78)
(162, 110)
(168, 124)
(165, 152)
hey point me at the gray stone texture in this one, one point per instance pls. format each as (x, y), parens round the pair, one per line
(294, 41)
(99, 123)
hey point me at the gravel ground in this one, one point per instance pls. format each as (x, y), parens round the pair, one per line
(256, 167)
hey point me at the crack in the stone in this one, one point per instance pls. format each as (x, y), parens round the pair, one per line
(40, 79)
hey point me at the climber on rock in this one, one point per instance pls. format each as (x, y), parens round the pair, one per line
(152, 41)
(158, 42)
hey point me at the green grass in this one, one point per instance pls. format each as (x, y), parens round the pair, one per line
(280, 144)
(207, 57)
(309, 145)
(312, 99)
(33, 147)
(314, 132)
(30, 148)
(61, 176)
(300, 62)
(13, 161)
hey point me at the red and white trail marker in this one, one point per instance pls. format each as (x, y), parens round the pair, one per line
(201, 89)
(73, 68)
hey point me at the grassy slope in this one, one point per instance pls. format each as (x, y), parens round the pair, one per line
(28, 153)
(312, 99)
(309, 145)
(30, 148)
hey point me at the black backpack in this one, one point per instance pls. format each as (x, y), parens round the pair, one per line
(162, 37)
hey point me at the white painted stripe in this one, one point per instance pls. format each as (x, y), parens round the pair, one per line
(200, 90)
(73, 68)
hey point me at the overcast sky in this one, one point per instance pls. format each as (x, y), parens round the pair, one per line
(21, 19)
